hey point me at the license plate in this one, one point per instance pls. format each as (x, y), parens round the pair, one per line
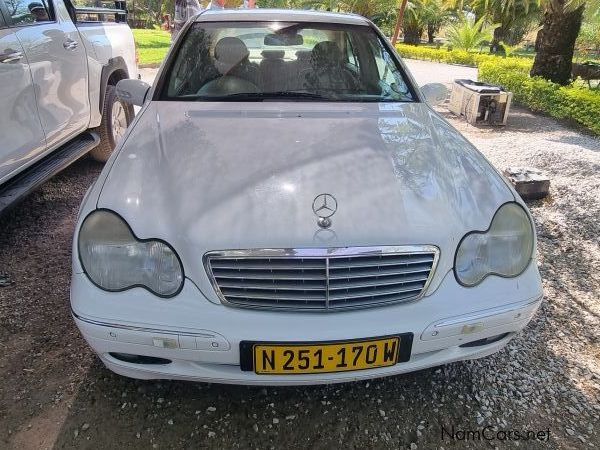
(289, 358)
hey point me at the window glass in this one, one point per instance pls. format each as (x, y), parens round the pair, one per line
(248, 61)
(351, 55)
(26, 12)
(388, 70)
(98, 16)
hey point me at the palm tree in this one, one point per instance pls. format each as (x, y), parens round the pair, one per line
(555, 42)
(329, 5)
(469, 33)
(413, 23)
(367, 8)
(508, 14)
(423, 15)
(436, 14)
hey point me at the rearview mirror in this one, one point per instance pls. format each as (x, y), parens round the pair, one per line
(132, 91)
(283, 39)
(434, 93)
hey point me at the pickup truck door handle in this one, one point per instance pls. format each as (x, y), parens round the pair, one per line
(10, 56)
(70, 44)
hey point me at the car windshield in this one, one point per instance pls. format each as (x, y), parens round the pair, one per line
(249, 61)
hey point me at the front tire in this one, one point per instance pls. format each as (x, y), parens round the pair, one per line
(116, 117)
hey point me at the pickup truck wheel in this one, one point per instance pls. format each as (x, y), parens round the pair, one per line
(116, 117)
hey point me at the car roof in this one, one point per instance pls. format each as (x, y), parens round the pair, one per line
(284, 15)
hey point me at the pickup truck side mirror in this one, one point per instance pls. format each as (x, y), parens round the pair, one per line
(435, 93)
(132, 91)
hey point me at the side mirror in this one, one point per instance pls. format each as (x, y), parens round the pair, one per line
(132, 91)
(435, 93)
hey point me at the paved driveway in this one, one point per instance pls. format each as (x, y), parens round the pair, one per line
(432, 72)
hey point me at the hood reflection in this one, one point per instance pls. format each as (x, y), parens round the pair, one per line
(239, 176)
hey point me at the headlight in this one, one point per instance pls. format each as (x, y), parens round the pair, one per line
(115, 260)
(505, 249)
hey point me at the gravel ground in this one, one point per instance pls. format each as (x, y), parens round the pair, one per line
(55, 394)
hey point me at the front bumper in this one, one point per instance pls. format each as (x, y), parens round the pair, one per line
(201, 339)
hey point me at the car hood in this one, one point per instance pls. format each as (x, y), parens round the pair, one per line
(216, 176)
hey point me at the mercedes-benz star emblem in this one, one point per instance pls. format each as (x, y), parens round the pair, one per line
(324, 206)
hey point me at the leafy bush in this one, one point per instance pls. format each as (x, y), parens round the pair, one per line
(450, 56)
(589, 36)
(574, 102)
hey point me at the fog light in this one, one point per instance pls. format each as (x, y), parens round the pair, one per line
(486, 341)
(139, 359)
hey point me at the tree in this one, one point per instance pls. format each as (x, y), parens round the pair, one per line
(367, 8)
(522, 26)
(436, 15)
(421, 16)
(13, 6)
(382, 12)
(413, 23)
(555, 42)
(276, 3)
(371, 8)
(328, 5)
(589, 37)
(468, 33)
(509, 15)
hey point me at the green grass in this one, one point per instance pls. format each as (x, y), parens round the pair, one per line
(152, 46)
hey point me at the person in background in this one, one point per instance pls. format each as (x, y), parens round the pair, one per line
(184, 10)
(166, 23)
(38, 12)
(216, 4)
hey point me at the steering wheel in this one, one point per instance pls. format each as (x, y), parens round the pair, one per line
(228, 85)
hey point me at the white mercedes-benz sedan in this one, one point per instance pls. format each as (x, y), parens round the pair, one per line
(287, 208)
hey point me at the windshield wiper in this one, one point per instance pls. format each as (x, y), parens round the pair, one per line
(293, 95)
(297, 94)
(260, 96)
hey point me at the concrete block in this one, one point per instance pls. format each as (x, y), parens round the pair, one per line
(530, 183)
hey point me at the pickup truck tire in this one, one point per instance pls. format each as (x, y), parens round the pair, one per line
(116, 117)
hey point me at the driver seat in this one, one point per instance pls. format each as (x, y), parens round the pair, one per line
(328, 72)
(231, 59)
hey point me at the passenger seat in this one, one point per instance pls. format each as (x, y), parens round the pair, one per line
(297, 70)
(273, 73)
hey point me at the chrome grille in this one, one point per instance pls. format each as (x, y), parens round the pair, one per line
(321, 279)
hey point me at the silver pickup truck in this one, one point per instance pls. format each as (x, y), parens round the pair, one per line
(59, 64)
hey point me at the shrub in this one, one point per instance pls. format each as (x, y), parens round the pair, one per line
(574, 102)
(448, 56)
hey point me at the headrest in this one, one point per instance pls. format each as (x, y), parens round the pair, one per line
(303, 55)
(229, 52)
(273, 54)
(35, 5)
(326, 53)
